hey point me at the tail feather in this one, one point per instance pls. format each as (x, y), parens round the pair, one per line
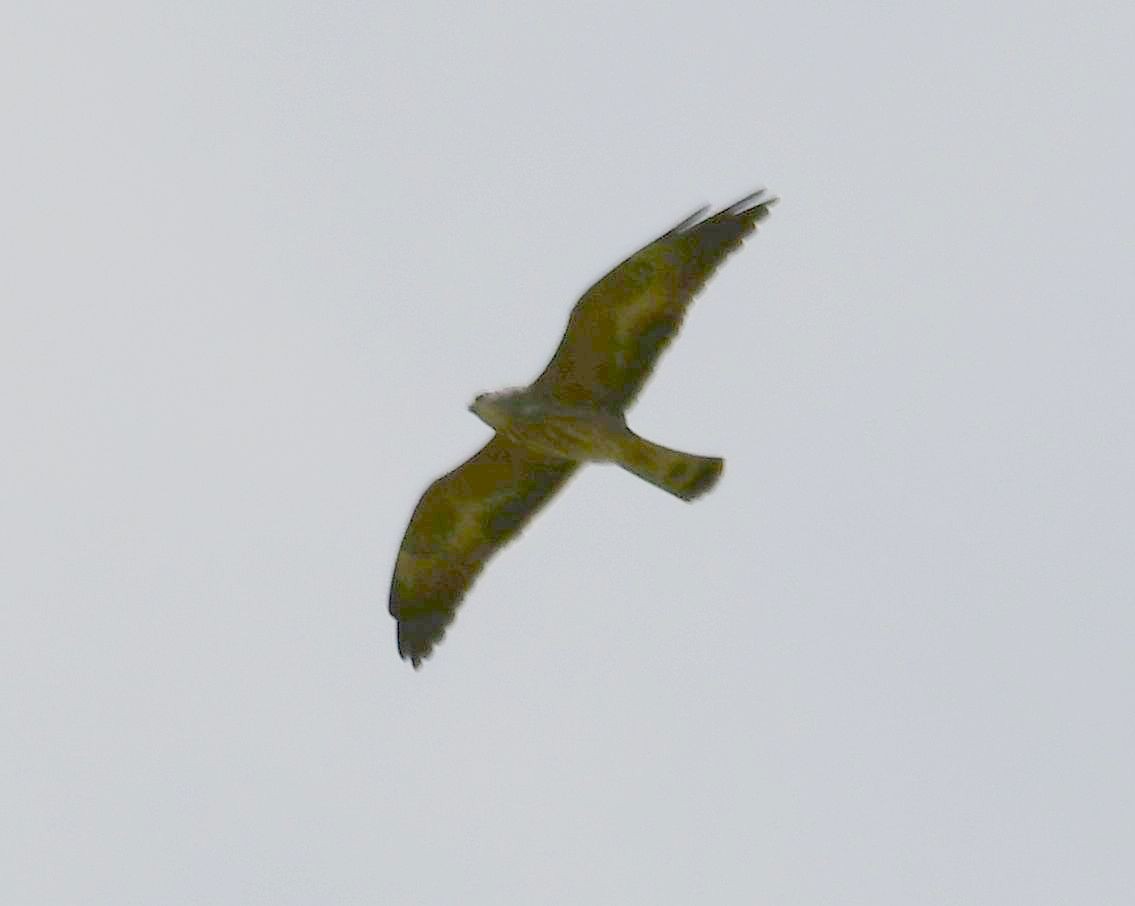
(684, 475)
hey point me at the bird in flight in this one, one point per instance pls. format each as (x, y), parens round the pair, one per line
(573, 413)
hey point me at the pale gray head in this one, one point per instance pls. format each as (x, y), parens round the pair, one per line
(500, 407)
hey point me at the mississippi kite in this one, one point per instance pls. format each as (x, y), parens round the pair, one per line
(572, 413)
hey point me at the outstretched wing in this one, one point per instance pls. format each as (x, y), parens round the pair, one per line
(462, 519)
(620, 326)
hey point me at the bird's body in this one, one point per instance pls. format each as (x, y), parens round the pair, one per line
(545, 425)
(574, 412)
(539, 423)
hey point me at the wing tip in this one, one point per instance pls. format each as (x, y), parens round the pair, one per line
(757, 202)
(688, 222)
(755, 205)
(420, 628)
(417, 639)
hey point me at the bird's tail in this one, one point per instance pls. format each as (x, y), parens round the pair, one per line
(682, 474)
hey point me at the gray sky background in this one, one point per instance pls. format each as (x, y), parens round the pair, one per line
(258, 258)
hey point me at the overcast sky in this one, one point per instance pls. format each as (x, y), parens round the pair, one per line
(259, 257)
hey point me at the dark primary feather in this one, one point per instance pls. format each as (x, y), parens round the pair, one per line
(620, 326)
(460, 522)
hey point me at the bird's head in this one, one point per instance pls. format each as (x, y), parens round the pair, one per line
(499, 408)
(490, 408)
